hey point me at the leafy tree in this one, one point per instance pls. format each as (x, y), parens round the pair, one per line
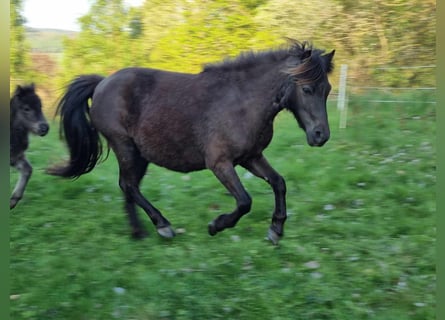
(18, 54)
(407, 37)
(159, 18)
(390, 33)
(305, 20)
(367, 34)
(109, 40)
(183, 34)
(210, 31)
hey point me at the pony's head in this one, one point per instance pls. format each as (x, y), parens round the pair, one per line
(26, 110)
(307, 96)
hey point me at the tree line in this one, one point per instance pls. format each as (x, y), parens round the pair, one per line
(182, 35)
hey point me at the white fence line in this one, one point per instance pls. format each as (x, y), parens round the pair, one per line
(392, 88)
(342, 105)
(408, 67)
(402, 101)
(342, 96)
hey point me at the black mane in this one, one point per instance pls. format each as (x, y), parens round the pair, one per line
(246, 60)
(310, 68)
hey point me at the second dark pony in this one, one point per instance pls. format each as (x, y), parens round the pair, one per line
(25, 117)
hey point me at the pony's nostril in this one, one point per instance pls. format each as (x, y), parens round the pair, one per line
(318, 135)
(43, 128)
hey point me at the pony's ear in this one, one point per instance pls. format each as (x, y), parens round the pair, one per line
(329, 65)
(32, 85)
(330, 55)
(306, 54)
(18, 90)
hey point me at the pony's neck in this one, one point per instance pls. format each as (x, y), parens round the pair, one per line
(15, 125)
(283, 93)
(13, 112)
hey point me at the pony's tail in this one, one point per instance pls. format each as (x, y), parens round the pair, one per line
(82, 139)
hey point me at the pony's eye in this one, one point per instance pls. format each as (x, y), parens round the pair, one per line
(26, 108)
(307, 90)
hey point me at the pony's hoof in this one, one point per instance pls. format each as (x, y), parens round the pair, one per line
(212, 228)
(12, 203)
(273, 237)
(166, 232)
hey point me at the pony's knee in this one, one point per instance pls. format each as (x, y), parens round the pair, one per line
(245, 204)
(278, 183)
(125, 186)
(28, 171)
(25, 168)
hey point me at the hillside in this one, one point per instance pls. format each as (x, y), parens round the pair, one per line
(47, 40)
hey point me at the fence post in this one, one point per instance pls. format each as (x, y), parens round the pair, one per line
(342, 104)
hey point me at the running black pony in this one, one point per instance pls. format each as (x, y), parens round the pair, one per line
(25, 116)
(215, 119)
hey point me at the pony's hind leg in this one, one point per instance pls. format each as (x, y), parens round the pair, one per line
(132, 168)
(25, 169)
(137, 231)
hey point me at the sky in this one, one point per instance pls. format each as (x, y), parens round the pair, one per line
(59, 14)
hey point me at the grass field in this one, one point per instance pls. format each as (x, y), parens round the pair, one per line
(359, 241)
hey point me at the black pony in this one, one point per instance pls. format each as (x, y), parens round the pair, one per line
(25, 116)
(216, 119)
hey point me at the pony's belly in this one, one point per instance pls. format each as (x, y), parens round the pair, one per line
(182, 166)
(180, 158)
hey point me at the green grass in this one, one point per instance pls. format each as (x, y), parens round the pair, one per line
(359, 242)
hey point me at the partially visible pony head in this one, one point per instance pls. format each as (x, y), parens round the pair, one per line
(26, 110)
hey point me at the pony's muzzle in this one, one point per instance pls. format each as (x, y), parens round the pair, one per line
(318, 136)
(42, 129)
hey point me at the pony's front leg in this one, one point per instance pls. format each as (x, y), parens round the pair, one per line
(25, 169)
(226, 173)
(261, 168)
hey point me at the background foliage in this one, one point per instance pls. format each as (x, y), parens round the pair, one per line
(182, 35)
